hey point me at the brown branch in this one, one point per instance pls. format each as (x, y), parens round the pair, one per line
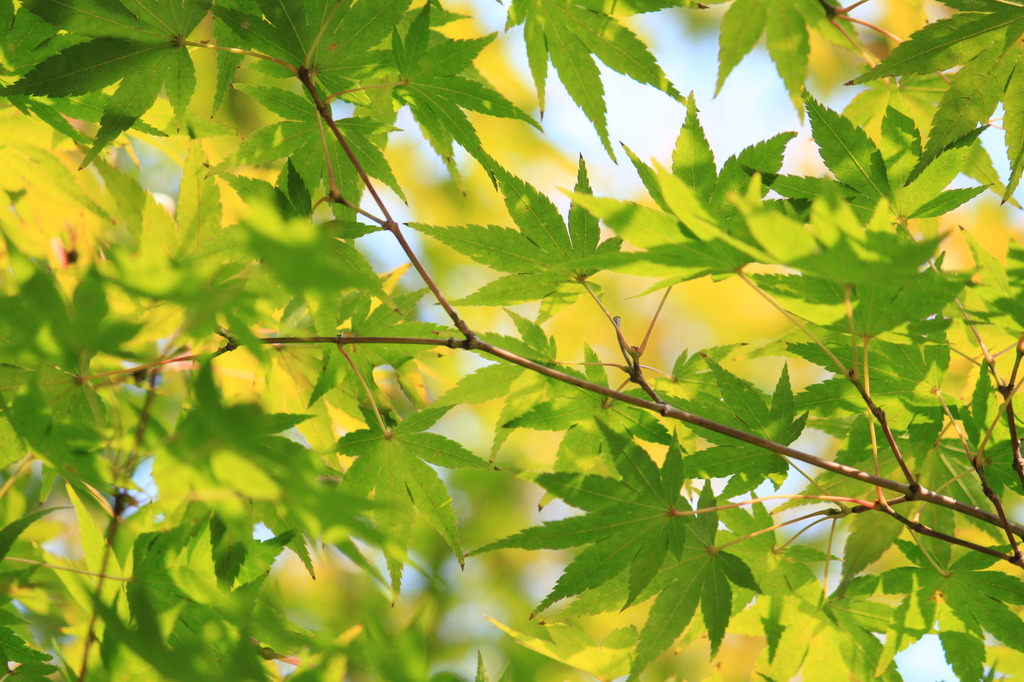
(918, 527)
(1011, 421)
(459, 323)
(978, 463)
(671, 412)
(664, 409)
(324, 109)
(850, 374)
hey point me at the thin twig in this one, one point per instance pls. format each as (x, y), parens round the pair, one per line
(876, 411)
(979, 468)
(952, 539)
(665, 410)
(324, 109)
(1011, 420)
(67, 569)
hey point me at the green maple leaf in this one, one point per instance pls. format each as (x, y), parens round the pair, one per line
(432, 65)
(848, 152)
(396, 468)
(587, 418)
(136, 43)
(629, 524)
(980, 602)
(786, 23)
(30, 663)
(986, 46)
(896, 170)
(743, 405)
(299, 137)
(541, 254)
(954, 40)
(702, 577)
(438, 82)
(334, 40)
(571, 34)
(573, 646)
(700, 230)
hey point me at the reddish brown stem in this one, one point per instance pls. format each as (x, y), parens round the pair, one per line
(474, 343)
(459, 323)
(879, 414)
(1011, 421)
(668, 411)
(917, 527)
(324, 110)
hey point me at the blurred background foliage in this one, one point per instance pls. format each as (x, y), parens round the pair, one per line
(439, 622)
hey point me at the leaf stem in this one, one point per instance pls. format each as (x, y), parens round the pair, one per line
(390, 84)
(66, 569)
(1011, 421)
(121, 501)
(871, 61)
(623, 344)
(23, 466)
(758, 500)
(369, 394)
(654, 320)
(928, 555)
(867, 24)
(769, 529)
(796, 322)
(236, 50)
(664, 409)
(850, 8)
(828, 557)
(866, 392)
(876, 411)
